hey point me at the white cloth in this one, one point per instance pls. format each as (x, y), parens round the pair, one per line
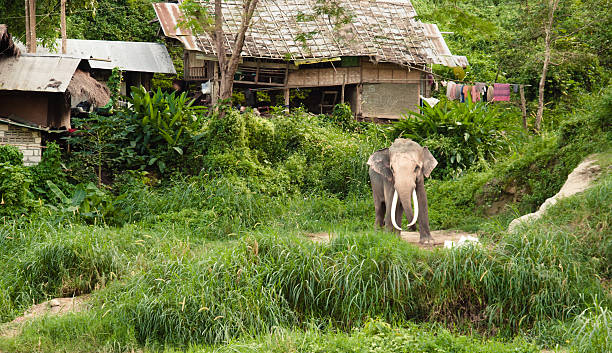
(431, 101)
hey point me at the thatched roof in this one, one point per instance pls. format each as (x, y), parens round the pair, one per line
(83, 87)
(7, 46)
(384, 30)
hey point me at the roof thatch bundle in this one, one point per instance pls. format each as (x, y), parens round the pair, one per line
(7, 46)
(83, 88)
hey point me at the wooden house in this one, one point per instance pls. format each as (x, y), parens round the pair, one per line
(379, 63)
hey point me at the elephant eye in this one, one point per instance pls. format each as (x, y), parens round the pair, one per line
(416, 169)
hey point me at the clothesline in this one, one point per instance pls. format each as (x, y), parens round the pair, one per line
(442, 78)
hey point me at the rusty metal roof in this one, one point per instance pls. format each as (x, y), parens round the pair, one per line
(385, 30)
(37, 73)
(106, 55)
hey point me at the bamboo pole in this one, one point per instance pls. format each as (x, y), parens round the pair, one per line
(63, 26)
(27, 25)
(32, 25)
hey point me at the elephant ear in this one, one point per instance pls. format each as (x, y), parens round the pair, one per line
(379, 162)
(429, 162)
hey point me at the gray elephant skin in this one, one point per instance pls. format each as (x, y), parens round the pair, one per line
(398, 174)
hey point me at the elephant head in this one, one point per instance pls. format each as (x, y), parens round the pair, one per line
(405, 164)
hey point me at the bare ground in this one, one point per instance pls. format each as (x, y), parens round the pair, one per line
(440, 236)
(54, 307)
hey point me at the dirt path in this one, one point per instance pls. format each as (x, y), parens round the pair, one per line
(58, 306)
(580, 179)
(440, 236)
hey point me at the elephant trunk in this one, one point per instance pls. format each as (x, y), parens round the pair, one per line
(415, 208)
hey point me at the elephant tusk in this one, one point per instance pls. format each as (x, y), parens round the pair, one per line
(415, 199)
(393, 206)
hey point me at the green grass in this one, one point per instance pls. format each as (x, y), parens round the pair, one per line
(178, 290)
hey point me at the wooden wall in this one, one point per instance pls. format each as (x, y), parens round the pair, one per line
(367, 73)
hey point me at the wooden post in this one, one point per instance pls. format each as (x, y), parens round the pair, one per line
(523, 106)
(32, 25)
(287, 95)
(63, 25)
(343, 88)
(358, 103)
(215, 84)
(27, 24)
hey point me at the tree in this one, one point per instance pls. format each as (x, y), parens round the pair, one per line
(200, 20)
(548, 41)
(13, 14)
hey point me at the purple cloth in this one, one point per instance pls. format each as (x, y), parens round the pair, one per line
(501, 92)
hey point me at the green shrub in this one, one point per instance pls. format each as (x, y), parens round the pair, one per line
(15, 198)
(49, 169)
(459, 135)
(11, 155)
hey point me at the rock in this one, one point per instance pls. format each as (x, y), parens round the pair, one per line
(54, 302)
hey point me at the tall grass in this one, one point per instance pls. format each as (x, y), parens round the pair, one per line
(270, 279)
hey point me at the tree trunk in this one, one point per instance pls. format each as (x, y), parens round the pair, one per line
(523, 106)
(229, 66)
(548, 43)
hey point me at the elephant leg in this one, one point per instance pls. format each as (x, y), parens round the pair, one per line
(424, 232)
(380, 213)
(378, 195)
(409, 216)
(399, 210)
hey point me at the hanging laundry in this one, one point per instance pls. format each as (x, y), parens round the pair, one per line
(502, 92)
(430, 101)
(475, 94)
(515, 88)
(466, 92)
(461, 96)
(450, 90)
(482, 91)
(490, 93)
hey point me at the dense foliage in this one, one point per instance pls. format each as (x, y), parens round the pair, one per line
(460, 135)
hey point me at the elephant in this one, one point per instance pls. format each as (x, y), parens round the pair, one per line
(400, 171)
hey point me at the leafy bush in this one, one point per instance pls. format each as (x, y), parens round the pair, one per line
(49, 169)
(11, 155)
(100, 147)
(163, 123)
(87, 203)
(14, 189)
(459, 135)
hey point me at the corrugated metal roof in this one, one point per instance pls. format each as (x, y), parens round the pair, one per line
(128, 56)
(169, 16)
(386, 30)
(443, 55)
(37, 73)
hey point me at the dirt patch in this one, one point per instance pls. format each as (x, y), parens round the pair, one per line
(440, 236)
(54, 307)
